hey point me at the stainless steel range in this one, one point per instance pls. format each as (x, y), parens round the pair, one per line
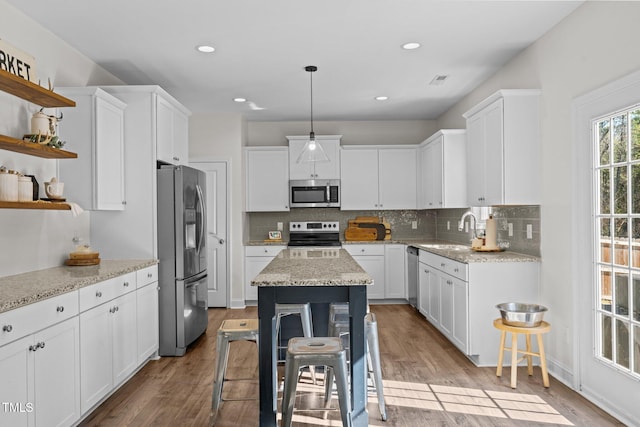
(314, 233)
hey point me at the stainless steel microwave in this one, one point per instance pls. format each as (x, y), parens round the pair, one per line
(314, 193)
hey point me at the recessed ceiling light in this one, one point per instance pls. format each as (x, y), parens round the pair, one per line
(411, 45)
(381, 98)
(239, 99)
(205, 48)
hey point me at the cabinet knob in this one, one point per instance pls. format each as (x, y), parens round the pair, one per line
(442, 264)
(7, 328)
(124, 202)
(149, 275)
(125, 284)
(60, 308)
(33, 347)
(176, 158)
(41, 344)
(456, 269)
(449, 282)
(99, 294)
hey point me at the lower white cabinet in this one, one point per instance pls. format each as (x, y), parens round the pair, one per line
(37, 367)
(395, 281)
(147, 321)
(256, 259)
(459, 299)
(371, 259)
(108, 347)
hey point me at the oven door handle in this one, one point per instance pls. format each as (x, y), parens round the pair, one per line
(328, 195)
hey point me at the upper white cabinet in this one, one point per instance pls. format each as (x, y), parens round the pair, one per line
(315, 170)
(442, 176)
(95, 130)
(378, 178)
(267, 179)
(172, 129)
(503, 149)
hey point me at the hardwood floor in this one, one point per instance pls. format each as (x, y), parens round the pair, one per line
(427, 381)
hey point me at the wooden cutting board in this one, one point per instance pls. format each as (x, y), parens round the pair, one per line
(367, 219)
(364, 234)
(82, 262)
(84, 255)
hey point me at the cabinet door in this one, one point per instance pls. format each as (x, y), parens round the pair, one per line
(180, 138)
(494, 155)
(397, 179)
(125, 348)
(253, 266)
(423, 178)
(424, 279)
(394, 271)
(57, 374)
(109, 160)
(460, 331)
(302, 170)
(330, 169)
(164, 130)
(16, 386)
(475, 161)
(96, 355)
(434, 312)
(267, 180)
(435, 168)
(374, 266)
(147, 321)
(359, 179)
(446, 304)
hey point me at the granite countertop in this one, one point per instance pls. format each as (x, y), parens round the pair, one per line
(28, 288)
(312, 267)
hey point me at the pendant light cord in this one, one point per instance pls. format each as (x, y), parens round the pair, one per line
(311, 75)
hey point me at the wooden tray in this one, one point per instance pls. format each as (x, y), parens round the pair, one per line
(487, 249)
(84, 255)
(82, 262)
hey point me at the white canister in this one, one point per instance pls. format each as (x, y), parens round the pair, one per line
(8, 186)
(25, 189)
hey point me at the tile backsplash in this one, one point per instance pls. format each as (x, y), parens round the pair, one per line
(441, 224)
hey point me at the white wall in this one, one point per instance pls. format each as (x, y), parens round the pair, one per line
(220, 137)
(354, 132)
(591, 47)
(33, 240)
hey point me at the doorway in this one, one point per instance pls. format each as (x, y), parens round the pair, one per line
(217, 240)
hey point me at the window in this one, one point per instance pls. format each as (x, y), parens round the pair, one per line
(617, 230)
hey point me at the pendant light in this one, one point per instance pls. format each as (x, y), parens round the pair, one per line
(312, 151)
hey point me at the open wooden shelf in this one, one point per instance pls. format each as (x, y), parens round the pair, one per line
(33, 149)
(32, 92)
(58, 206)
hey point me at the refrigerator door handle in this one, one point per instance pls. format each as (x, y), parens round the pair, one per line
(202, 217)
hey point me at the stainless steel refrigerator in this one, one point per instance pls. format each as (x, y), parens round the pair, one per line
(183, 257)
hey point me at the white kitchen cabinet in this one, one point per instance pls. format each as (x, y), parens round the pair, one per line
(503, 149)
(426, 294)
(256, 259)
(147, 312)
(172, 130)
(108, 337)
(315, 170)
(395, 281)
(95, 130)
(267, 179)
(371, 259)
(442, 170)
(378, 178)
(463, 297)
(40, 359)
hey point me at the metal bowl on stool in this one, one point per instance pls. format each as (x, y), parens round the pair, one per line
(521, 315)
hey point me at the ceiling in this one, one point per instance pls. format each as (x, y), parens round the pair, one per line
(263, 46)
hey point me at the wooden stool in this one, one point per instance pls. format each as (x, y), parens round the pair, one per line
(230, 330)
(543, 328)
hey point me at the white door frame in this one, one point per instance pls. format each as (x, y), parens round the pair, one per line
(207, 160)
(601, 384)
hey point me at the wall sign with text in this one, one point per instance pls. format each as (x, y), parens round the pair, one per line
(17, 62)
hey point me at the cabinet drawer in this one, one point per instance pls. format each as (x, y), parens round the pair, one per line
(146, 276)
(26, 320)
(373, 249)
(454, 268)
(270, 251)
(99, 293)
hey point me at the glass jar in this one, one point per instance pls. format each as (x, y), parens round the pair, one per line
(25, 189)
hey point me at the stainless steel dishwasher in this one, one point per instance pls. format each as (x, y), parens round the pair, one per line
(412, 276)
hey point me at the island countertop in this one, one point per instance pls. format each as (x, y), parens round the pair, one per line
(312, 267)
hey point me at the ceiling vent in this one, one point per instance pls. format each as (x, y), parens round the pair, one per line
(438, 80)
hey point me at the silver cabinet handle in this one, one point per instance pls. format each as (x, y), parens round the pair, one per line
(124, 202)
(125, 284)
(99, 294)
(149, 275)
(456, 269)
(60, 308)
(41, 344)
(7, 328)
(176, 158)
(442, 264)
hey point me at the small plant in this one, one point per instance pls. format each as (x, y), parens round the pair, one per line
(48, 140)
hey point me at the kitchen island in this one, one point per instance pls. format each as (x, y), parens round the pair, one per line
(299, 275)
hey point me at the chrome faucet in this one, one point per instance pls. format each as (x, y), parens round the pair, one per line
(475, 223)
